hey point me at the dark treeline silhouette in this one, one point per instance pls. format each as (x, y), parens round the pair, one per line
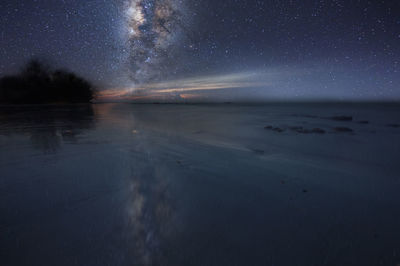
(36, 83)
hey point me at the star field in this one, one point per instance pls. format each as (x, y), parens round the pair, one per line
(299, 49)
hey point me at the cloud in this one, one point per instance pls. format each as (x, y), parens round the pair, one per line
(295, 82)
(198, 85)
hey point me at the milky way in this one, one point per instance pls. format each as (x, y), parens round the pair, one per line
(333, 49)
(153, 29)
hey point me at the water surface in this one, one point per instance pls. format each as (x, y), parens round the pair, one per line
(123, 184)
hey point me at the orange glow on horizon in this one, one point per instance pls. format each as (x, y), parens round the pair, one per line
(197, 87)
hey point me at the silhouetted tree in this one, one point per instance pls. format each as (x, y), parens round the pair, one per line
(71, 87)
(38, 84)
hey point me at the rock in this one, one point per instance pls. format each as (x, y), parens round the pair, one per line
(298, 129)
(302, 130)
(305, 190)
(363, 122)
(342, 118)
(342, 129)
(276, 129)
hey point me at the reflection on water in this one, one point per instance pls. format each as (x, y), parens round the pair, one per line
(121, 184)
(47, 126)
(149, 213)
(149, 208)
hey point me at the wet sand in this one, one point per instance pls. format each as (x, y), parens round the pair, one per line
(124, 184)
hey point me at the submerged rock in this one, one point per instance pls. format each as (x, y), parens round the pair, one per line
(342, 118)
(302, 130)
(276, 129)
(343, 129)
(297, 129)
(363, 122)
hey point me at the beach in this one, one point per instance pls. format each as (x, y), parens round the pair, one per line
(200, 184)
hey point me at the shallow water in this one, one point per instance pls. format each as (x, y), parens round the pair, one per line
(123, 184)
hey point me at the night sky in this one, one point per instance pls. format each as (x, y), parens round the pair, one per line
(212, 49)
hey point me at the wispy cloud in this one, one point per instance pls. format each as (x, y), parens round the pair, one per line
(188, 87)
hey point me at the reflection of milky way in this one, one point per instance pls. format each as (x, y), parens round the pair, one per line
(152, 28)
(150, 210)
(149, 218)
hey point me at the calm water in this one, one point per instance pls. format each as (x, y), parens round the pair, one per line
(122, 184)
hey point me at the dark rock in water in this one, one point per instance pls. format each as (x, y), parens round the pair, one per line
(363, 122)
(342, 129)
(276, 129)
(393, 125)
(298, 129)
(342, 118)
(305, 190)
(302, 130)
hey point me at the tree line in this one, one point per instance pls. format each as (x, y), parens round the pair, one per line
(37, 83)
